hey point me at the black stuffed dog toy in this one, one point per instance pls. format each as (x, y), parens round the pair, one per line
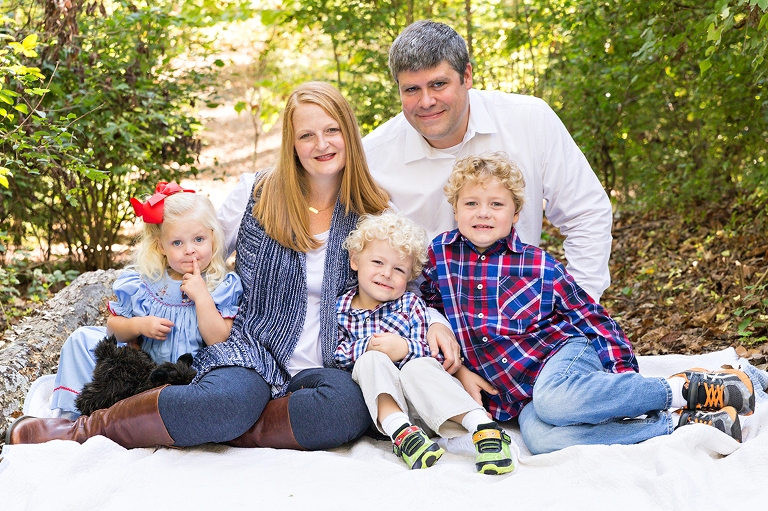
(123, 372)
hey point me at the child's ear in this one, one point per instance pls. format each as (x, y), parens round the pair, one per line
(160, 246)
(353, 259)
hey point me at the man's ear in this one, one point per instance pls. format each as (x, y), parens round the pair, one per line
(353, 259)
(468, 76)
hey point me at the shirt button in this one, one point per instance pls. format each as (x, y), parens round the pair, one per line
(482, 258)
(480, 315)
(485, 339)
(504, 360)
(479, 286)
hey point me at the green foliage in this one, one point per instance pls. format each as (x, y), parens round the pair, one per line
(666, 100)
(123, 121)
(625, 77)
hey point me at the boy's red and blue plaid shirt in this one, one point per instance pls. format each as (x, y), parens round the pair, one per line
(511, 308)
(405, 316)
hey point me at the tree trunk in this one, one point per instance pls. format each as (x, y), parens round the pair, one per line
(32, 348)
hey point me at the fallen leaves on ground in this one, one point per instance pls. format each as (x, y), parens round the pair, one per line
(683, 288)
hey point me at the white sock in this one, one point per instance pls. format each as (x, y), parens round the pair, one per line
(474, 418)
(392, 422)
(676, 384)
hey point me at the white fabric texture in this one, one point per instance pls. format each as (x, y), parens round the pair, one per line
(531, 134)
(697, 467)
(308, 354)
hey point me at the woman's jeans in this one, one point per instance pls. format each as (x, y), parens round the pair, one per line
(326, 407)
(576, 402)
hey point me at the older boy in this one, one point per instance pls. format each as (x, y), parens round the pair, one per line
(559, 362)
(382, 331)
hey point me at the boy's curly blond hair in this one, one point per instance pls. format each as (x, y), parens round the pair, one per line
(480, 170)
(402, 233)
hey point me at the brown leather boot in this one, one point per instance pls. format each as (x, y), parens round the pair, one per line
(272, 429)
(132, 422)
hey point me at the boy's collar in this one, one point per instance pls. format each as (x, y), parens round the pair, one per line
(511, 241)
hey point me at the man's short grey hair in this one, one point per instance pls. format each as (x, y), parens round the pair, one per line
(425, 44)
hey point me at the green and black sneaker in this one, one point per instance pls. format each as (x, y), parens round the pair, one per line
(492, 446)
(415, 447)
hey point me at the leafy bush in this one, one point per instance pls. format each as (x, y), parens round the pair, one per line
(123, 122)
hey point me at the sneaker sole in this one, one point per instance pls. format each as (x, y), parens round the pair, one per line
(495, 468)
(428, 459)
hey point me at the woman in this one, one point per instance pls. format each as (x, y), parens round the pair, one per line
(277, 364)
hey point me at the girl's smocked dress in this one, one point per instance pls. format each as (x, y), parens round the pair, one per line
(137, 296)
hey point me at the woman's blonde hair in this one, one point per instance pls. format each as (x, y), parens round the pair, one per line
(281, 207)
(480, 170)
(402, 233)
(178, 208)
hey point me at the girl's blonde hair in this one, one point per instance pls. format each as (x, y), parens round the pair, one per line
(178, 208)
(402, 233)
(281, 207)
(480, 170)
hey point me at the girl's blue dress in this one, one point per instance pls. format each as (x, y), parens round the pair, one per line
(137, 296)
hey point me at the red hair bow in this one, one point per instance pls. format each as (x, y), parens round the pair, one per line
(152, 210)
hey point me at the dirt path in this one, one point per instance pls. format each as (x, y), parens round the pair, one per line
(228, 151)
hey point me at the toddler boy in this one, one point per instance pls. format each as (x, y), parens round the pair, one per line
(558, 361)
(382, 332)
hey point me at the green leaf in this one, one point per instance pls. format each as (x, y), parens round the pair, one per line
(28, 45)
(22, 108)
(4, 172)
(714, 33)
(704, 65)
(764, 19)
(37, 91)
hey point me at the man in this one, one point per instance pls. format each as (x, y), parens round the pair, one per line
(444, 119)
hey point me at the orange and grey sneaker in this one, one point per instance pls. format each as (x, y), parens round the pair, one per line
(714, 390)
(492, 446)
(726, 420)
(415, 447)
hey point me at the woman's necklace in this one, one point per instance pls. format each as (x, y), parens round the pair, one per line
(316, 211)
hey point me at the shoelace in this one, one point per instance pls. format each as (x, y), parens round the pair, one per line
(715, 395)
(697, 420)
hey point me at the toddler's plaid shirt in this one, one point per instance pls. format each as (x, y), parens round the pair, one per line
(406, 317)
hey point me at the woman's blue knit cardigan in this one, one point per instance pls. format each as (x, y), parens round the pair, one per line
(274, 304)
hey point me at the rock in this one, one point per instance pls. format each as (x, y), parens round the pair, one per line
(31, 349)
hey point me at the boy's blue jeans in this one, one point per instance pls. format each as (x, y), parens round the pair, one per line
(576, 402)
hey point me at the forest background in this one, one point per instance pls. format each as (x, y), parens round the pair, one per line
(100, 100)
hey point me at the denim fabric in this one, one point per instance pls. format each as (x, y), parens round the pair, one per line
(576, 402)
(326, 408)
(221, 406)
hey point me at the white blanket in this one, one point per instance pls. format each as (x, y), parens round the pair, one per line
(697, 467)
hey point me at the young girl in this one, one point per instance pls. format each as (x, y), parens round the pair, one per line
(175, 299)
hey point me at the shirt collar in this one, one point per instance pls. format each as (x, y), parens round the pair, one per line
(480, 122)
(344, 304)
(511, 242)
